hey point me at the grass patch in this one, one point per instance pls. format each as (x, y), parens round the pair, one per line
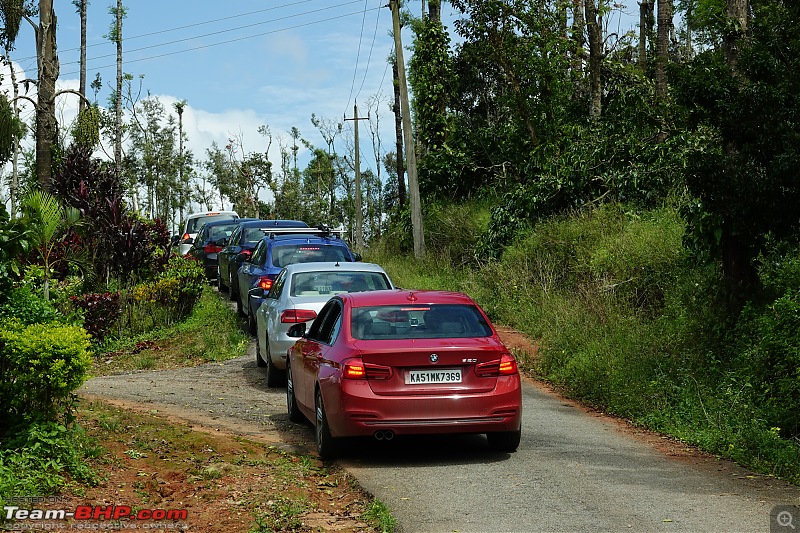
(225, 483)
(378, 513)
(211, 333)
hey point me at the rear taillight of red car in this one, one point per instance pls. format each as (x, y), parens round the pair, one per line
(212, 249)
(505, 366)
(357, 369)
(293, 316)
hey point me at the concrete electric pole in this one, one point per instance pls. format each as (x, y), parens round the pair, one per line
(359, 215)
(411, 157)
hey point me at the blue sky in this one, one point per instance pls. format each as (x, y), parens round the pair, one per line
(237, 64)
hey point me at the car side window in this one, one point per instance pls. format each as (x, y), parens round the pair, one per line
(277, 287)
(332, 324)
(317, 325)
(234, 239)
(259, 253)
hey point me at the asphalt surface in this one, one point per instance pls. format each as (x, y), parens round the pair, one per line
(574, 471)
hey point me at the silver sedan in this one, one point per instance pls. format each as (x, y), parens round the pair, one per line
(300, 291)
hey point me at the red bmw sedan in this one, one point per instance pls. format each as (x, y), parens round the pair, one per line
(399, 362)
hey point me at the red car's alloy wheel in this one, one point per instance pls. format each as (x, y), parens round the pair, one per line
(326, 444)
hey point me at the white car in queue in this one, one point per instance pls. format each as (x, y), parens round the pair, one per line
(298, 294)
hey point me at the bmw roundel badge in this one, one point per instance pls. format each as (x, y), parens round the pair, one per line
(434, 357)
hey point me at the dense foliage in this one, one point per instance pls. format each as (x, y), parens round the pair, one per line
(42, 364)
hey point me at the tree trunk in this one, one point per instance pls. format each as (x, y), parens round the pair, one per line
(737, 261)
(118, 106)
(578, 48)
(14, 180)
(46, 126)
(594, 26)
(398, 129)
(435, 10)
(82, 86)
(662, 47)
(737, 12)
(644, 15)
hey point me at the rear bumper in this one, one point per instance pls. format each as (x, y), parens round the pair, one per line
(354, 410)
(210, 265)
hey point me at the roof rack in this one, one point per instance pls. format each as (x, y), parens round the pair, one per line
(322, 231)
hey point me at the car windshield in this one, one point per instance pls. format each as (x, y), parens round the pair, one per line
(418, 322)
(288, 254)
(321, 283)
(194, 225)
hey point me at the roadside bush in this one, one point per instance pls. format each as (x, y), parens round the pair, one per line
(29, 308)
(100, 312)
(772, 360)
(166, 300)
(40, 366)
(14, 242)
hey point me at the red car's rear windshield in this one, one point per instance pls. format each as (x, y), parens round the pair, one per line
(418, 322)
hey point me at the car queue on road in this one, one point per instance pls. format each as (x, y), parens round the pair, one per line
(358, 356)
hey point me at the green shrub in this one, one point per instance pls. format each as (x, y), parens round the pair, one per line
(100, 311)
(37, 459)
(164, 301)
(772, 360)
(29, 308)
(41, 365)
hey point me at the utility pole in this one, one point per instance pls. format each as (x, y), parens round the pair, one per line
(359, 215)
(411, 156)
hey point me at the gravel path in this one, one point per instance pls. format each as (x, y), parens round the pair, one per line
(231, 396)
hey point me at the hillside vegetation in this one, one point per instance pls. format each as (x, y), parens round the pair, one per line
(632, 324)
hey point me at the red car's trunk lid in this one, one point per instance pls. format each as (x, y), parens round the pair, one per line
(429, 366)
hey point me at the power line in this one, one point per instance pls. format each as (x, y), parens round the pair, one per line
(369, 57)
(201, 47)
(178, 41)
(358, 54)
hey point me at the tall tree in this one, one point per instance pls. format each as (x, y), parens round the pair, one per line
(645, 14)
(662, 47)
(81, 5)
(183, 181)
(593, 11)
(115, 35)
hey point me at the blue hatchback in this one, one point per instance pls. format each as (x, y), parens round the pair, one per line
(280, 248)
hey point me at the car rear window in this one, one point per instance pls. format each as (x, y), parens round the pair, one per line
(322, 283)
(219, 232)
(288, 254)
(418, 322)
(194, 225)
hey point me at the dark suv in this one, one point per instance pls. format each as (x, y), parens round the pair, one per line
(285, 247)
(239, 246)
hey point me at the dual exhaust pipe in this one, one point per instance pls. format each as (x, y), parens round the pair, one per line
(384, 435)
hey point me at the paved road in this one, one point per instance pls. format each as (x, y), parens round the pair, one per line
(574, 471)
